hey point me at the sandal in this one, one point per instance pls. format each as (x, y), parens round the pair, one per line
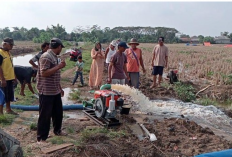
(11, 112)
(61, 134)
(152, 86)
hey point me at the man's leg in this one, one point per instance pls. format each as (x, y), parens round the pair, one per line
(81, 78)
(115, 81)
(1, 109)
(9, 96)
(57, 114)
(160, 71)
(122, 81)
(154, 73)
(45, 114)
(75, 78)
(134, 77)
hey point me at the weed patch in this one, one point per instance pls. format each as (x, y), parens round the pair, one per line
(6, 119)
(56, 140)
(184, 91)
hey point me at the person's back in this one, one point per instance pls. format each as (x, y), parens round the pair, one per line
(23, 73)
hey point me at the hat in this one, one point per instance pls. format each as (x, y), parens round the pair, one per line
(9, 40)
(123, 44)
(133, 41)
(113, 43)
(56, 41)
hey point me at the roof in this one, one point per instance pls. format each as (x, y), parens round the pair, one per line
(222, 38)
(185, 39)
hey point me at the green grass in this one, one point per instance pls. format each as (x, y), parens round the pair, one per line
(74, 94)
(33, 126)
(86, 57)
(206, 101)
(87, 133)
(6, 119)
(56, 140)
(29, 99)
(184, 91)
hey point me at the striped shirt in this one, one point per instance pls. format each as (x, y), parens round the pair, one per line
(48, 85)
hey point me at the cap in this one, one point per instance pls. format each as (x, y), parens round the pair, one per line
(113, 43)
(9, 40)
(123, 44)
(56, 41)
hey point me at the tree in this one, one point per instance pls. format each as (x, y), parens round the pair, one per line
(209, 39)
(201, 38)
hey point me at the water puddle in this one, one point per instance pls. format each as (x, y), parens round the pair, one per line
(23, 60)
(207, 116)
(65, 98)
(74, 114)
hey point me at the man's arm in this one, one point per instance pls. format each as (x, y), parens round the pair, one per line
(33, 64)
(141, 62)
(49, 72)
(109, 72)
(107, 50)
(125, 70)
(2, 78)
(153, 58)
(166, 59)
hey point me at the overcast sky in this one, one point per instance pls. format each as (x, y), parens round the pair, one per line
(192, 18)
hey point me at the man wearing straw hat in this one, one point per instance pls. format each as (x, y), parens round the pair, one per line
(134, 59)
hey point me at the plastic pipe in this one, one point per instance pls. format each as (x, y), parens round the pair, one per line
(36, 107)
(105, 86)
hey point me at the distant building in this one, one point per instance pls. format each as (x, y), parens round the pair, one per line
(194, 40)
(222, 40)
(185, 40)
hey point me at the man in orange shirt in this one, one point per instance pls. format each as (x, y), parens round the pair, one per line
(134, 59)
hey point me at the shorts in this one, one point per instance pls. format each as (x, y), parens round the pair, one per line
(118, 81)
(8, 91)
(157, 70)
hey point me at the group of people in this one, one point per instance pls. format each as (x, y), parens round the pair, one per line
(47, 84)
(123, 63)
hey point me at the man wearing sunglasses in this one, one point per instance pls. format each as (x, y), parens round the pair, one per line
(7, 75)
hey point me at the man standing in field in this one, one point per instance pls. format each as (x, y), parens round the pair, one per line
(134, 59)
(118, 64)
(159, 61)
(44, 48)
(7, 75)
(50, 91)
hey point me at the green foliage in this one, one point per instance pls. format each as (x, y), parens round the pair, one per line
(6, 119)
(74, 94)
(56, 140)
(33, 126)
(206, 101)
(184, 91)
(210, 73)
(29, 99)
(209, 39)
(70, 130)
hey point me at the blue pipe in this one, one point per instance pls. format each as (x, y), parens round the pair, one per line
(36, 107)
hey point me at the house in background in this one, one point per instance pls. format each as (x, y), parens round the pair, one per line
(222, 40)
(185, 40)
(194, 40)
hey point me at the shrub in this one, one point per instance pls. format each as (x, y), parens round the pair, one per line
(184, 91)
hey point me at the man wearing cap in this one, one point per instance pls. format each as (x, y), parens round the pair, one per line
(44, 48)
(159, 61)
(118, 66)
(134, 59)
(24, 74)
(7, 74)
(50, 91)
(110, 51)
